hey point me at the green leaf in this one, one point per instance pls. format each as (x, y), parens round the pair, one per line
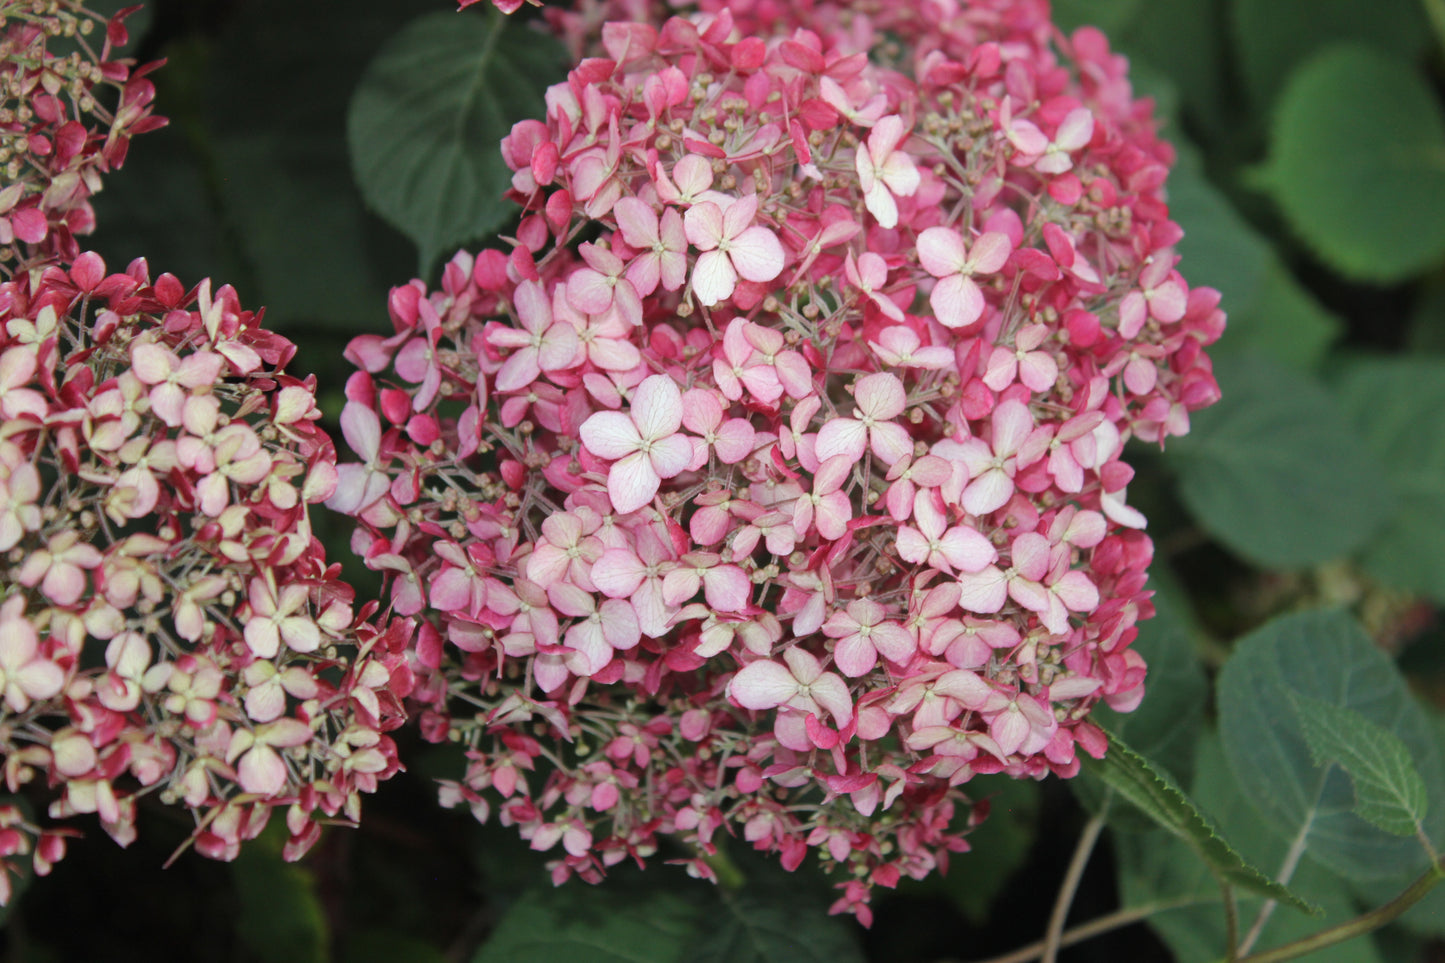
(425, 124)
(376, 945)
(1272, 37)
(279, 917)
(657, 920)
(1154, 868)
(281, 166)
(1326, 656)
(1357, 164)
(756, 925)
(602, 924)
(1132, 777)
(1388, 789)
(1396, 402)
(1110, 16)
(1270, 313)
(1276, 471)
(1166, 724)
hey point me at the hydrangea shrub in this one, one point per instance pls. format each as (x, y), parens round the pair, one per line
(770, 483)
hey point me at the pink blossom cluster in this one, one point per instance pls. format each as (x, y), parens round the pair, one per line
(771, 484)
(56, 136)
(169, 624)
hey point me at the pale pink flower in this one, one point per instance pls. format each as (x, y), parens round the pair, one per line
(956, 299)
(1036, 369)
(801, 684)
(359, 485)
(879, 398)
(733, 246)
(869, 272)
(992, 464)
(261, 769)
(900, 347)
(280, 615)
(59, 567)
(863, 632)
(171, 378)
(17, 368)
(602, 286)
(827, 506)
(884, 171)
(933, 543)
(661, 243)
(25, 675)
(702, 414)
(644, 444)
(543, 344)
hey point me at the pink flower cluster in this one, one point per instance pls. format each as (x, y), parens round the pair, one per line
(56, 137)
(790, 498)
(169, 625)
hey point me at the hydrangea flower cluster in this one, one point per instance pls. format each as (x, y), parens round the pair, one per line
(57, 137)
(771, 483)
(169, 625)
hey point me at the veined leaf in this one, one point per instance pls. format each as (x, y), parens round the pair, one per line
(1155, 868)
(426, 121)
(1325, 656)
(1357, 164)
(1277, 472)
(604, 924)
(1396, 402)
(1130, 775)
(1388, 789)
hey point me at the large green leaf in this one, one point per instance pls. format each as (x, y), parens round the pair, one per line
(1269, 312)
(1396, 402)
(1324, 656)
(1155, 868)
(425, 123)
(766, 925)
(604, 924)
(279, 915)
(1389, 792)
(1277, 472)
(1357, 164)
(660, 918)
(1153, 792)
(1272, 37)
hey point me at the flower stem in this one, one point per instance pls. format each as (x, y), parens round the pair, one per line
(1358, 926)
(1098, 927)
(1085, 847)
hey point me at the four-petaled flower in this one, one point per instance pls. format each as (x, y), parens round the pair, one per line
(644, 444)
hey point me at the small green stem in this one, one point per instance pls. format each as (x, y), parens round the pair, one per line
(1072, 877)
(1231, 918)
(1098, 927)
(1358, 926)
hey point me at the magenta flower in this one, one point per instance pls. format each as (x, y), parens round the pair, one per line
(644, 445)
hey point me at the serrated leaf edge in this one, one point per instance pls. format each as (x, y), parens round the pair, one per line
(1131, 775)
